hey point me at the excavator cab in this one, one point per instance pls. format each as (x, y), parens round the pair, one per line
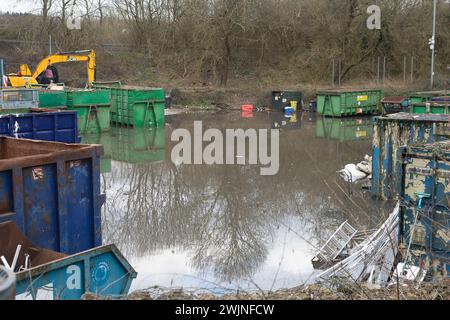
(49, 75)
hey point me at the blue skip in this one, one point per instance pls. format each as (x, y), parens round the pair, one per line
(58, 126)
(102, 271)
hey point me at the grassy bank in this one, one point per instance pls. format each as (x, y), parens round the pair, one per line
(234, 97)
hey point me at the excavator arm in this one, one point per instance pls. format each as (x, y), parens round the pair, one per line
(73, 56)
(26, 79)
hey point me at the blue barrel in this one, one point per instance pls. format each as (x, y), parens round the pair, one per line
(59, 126)
(313, 105)
(51, 190)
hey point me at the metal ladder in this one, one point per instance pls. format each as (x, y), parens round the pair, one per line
(337, 242)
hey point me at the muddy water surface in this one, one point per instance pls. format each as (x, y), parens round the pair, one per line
(226, 227)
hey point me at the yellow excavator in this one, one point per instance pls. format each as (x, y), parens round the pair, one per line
(46, 73)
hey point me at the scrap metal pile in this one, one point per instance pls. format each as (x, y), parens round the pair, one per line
(372, 260)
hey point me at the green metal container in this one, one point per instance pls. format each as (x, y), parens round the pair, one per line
(52, 99)
(135, 106)
(341, 103)
(93, 119)
(426, 96)
(105, 140)
(87, 98)
(93, 109)
(428, 107)
(344, 129)
(138, 145)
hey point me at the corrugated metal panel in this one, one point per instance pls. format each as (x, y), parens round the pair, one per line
(59, 126)
(138, 107)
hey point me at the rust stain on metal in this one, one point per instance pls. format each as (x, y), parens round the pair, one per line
(30, 153)
(394, 99)
(11, 236)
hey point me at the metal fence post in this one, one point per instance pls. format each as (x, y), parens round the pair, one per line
(404, 69)
(2, 71)
(340, 66)
(378, 70)
(332, 74)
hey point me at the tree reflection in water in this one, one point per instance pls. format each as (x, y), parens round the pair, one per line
(227, 217)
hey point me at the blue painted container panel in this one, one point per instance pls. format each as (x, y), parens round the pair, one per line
(426, 170)
(54, 198)
(390, 134)
(41, 206)
(80, 204)
(429, 242)
(59, 126)
(103, 271)
(6, 192)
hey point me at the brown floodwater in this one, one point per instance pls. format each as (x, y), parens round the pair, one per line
(226, 227)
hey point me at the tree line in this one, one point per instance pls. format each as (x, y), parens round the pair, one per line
(218, 41)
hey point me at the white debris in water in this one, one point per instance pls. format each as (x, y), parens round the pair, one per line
(351, 173)
(408, 274)
(354, 172)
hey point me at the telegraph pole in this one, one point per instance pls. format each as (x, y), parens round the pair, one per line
(432, 43)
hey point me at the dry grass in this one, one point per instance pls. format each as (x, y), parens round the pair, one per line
(426, 291)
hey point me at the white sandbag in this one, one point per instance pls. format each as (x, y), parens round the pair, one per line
(364, 167)
(351, 173)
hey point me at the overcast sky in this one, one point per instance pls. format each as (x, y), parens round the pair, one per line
(19, 5)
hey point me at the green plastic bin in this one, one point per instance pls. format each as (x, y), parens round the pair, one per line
(342, 103)
(136, 106)
(344, 129)
(52, 99)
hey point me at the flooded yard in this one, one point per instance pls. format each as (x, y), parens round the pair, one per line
(226, 227)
